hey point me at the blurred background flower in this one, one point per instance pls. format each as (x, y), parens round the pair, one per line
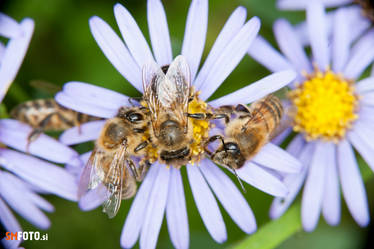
(23, 177)
(329, 111)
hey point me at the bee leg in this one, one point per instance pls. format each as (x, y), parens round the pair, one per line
(80, 121)
(211, 140)
(141, 146)
(35, 133)
(143, 168)
(209, 116)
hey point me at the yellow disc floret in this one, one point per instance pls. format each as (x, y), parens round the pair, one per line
(324, 106)
(200, 127)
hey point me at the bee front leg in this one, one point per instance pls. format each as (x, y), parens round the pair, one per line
(211, 140)
(209, 116)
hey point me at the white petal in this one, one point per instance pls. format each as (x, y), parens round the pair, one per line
(194, 34)
(132, 35)
(257, 89)
(318, 36)
(261, 179)
(206, 204)
(116, 52)
(314, 187)
(159, 32)
(352, 185)
(230, 197)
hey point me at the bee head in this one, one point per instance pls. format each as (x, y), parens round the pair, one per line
(229, 155)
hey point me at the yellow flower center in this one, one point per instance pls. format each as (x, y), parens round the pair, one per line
(324, 106)
(200, 131)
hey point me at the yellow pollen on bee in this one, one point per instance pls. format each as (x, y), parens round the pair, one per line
(324, 106)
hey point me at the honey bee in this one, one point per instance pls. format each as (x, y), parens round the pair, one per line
(247, 133)
(47, 115)
(167, 92)
(110, 162)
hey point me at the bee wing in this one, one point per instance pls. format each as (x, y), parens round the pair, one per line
(174, 92)
(152, 78)
(129, 186)
(114, 183)
(92, 174)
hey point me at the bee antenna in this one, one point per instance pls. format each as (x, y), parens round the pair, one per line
(240, 181)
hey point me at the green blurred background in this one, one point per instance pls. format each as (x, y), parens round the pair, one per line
(62, 49)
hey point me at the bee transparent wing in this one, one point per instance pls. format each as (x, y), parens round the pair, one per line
(92, 174)
(129, 186)
(178, 82)
(114, 183)
(152, 78)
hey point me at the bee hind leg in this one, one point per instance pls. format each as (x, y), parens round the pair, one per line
(35, 133)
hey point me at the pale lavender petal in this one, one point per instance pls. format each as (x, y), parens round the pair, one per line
(264, 53)
(331, 199)
(302, 4)
(156, 205)
(93, 198)
(367, 99)
(316, 22)
(132, 35)
(257, 89)
(358, 24)
(14, 134)
(352, 185)
(293, 182)
(10, 224)
(2, 51)
(176, 212)
(47, 176)
(86, 132)
(206, 204)
(80, 105)
(9, 27)
(274, 157)
(28, 192)
(363, 144)
(230, 57)
(366, 113)
(13, 56)
(7, 218)
(296, 145)
(365, 85)
(229, 196)
(159, 32)
(290, 45)
(362, 56)
(90, 94)
(229, 30)
(282, 136)
(13, 194)
(135, 217)
(194, 34)
(116, 52)
(261, 179)
(314, 187)
(341, 41)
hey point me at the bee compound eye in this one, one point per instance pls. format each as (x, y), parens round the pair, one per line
(134, 117)
(231, 147)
